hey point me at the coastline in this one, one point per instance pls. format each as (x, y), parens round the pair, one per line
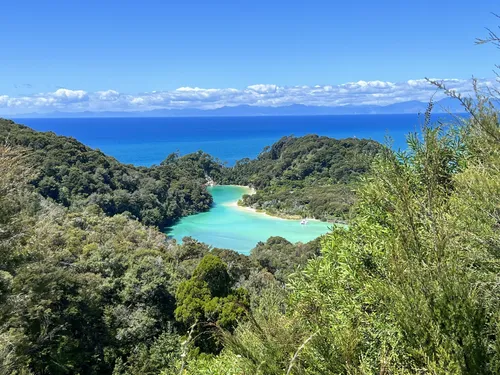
(250, 191)
(254, 211)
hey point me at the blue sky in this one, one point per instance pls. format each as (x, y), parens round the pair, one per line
(136, 48)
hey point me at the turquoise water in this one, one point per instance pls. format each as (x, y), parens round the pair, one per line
(231, 227)
(147, 141)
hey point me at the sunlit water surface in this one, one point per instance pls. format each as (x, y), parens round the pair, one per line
(231, 227)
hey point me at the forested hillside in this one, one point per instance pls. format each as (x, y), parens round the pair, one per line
(308, 176)
(85, 293)
(75, 175)
(412, 287)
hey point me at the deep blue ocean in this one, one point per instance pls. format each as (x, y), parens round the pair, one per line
(147, 141)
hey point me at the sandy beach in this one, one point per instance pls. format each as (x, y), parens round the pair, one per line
(251, 191)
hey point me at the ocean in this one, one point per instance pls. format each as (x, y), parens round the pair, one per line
(147, 141)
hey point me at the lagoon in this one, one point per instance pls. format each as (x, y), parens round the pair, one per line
(229, 226)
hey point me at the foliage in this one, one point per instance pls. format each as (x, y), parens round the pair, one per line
(207, 302)
(308, 176)
(281, 257)
(83, 292)
(412, 285)
(89, 290)
(75, 175)
(260, 345)
(213, 271)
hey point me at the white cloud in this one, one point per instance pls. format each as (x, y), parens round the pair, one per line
(70, 96)
(108, 95)
(263, 89)
(138, 101)
(350, 93)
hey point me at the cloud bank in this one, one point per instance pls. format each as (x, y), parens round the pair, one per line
(268, 95)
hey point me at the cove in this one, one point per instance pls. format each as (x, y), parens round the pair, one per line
(228, 226)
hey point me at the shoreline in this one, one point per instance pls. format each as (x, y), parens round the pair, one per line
(235, 204)
(252, 191)
(248, 188)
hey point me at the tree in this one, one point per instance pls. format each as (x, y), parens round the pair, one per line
(213, 271)
(208, 303)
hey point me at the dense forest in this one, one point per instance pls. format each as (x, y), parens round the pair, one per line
(308, 176)
(75, 175)
(82, 292)
(411, 286)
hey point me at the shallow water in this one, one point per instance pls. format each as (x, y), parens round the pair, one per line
(231, 227)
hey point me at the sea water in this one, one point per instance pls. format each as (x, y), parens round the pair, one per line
(231, 227)
(147, 141)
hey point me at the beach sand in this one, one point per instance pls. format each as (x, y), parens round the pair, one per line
(251, 191)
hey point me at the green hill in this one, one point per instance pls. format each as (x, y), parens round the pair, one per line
(310, 176)
(73, 174)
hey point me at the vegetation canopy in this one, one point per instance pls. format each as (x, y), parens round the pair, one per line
(410, 287)
(309, 176)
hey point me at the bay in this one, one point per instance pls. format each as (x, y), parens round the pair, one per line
(147, 141)
(231, 227)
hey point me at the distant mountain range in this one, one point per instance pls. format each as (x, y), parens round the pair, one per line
(442, 106)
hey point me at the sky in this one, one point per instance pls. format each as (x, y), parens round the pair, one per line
(130, 55)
